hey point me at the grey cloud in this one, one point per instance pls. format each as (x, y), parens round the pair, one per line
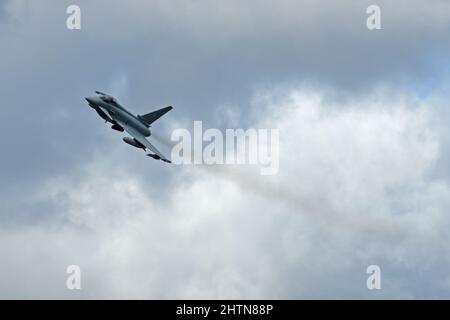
(207, 59)
(308, 232)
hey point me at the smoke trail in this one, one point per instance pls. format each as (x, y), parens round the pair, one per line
(316, 207)
(163, 140)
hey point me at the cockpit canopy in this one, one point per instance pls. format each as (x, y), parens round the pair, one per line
(109, 99)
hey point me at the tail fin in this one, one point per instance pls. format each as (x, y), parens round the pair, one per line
(151, 117)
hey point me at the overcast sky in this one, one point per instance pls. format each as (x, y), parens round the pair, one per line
(364, 150)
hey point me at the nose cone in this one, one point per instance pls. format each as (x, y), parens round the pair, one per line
(90, 101)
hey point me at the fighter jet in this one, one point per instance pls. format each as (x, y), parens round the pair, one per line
(121, 119)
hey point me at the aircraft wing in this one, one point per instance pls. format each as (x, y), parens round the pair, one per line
(105, 112)
(140, 137)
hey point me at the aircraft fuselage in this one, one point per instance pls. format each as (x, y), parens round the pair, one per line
(115, 112)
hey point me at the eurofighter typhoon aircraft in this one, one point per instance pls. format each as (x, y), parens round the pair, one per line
(121, 119)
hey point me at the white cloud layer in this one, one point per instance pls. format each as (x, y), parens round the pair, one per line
(355, 187)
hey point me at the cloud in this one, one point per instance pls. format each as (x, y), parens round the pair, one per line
(196, 57)
(355, 188)
(364, 162)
